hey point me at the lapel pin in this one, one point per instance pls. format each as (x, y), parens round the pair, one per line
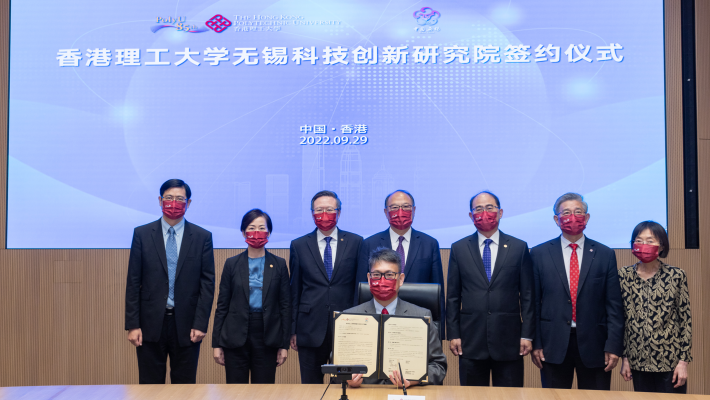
(342, 240)
(505, 245)
(590, 250)
(271, 265)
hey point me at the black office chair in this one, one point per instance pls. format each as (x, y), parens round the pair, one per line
(425, 295)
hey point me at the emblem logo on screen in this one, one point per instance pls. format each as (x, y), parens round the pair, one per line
(218, 23)
(427, 16)
(179, 23)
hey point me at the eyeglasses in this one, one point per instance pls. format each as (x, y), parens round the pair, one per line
(567, 213)
(406, 207)
(649, 241)
(178, 198)
(377, 276)
(328, 210)
(488, 208)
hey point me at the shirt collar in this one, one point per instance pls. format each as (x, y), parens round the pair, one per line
(566, 243)
(320, 236)
(495, 237)
(178, 227)
(394, 236)
(391, 307)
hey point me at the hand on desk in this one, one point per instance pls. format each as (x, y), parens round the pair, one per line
(397, 380)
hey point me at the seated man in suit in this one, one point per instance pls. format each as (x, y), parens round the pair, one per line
(385, 280)
(419, 252)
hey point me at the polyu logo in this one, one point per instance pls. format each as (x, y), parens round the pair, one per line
(179, 23)
(218, 23)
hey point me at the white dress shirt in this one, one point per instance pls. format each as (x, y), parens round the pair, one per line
(333, 244)
(495, 237)
(179, 230)
(391, 307)
(567, 254)
(394, 238)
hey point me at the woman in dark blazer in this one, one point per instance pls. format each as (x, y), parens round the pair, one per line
(253, 316)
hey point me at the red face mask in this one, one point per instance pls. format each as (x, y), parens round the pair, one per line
(485, 221)
(257, 239)
(572, 224)
(325, 221)
(645, 252)
(174, 209)
(401, 219)
(383, 289)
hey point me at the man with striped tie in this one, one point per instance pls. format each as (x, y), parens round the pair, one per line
(169, 290)
(490, 300)
(323, 264)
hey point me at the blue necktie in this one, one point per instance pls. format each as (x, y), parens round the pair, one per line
(487, 258)
(172, 254)
(328, 258)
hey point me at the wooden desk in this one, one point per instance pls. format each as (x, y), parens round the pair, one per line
(310, 392)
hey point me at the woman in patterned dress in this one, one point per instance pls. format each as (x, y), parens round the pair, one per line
(657, 334)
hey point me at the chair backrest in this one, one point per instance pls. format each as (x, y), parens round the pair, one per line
(425, 295)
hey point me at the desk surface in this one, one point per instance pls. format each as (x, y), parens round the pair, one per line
(310, 392)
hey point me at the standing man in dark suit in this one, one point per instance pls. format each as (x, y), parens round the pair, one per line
(169, 290)
(419, 252)
(490, 300)
(579, 308)
(323, 265)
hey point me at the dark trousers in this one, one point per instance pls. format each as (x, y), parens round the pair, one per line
(152, 357)
(505, 373)
(310, 359)
(560, 376)
(659, 382)
(254, 356)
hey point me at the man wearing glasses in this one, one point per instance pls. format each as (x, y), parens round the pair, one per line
(385, 280)
(419, 252)
(490, 300)
(323, 264)
(169, 290)
(579, 308)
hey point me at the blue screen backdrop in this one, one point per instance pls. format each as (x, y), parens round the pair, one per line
(472, 108)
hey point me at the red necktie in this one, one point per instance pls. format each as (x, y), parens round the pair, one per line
(384, 311)
(573, 279)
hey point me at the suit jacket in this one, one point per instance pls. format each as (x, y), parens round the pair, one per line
(147, 282)
(490, 318)
(313, 296)
(423, 263)
(437, 360)
(231, 319)
(600, 312)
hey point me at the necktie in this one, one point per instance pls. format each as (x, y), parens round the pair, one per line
(328, 257)
(573, 279)
(384, 311)
(400, 251)
(487, 258)
(172, 255)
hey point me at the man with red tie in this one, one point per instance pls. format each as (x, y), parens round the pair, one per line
(579, 308)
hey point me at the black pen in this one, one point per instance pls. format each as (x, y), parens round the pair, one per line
(401, 376)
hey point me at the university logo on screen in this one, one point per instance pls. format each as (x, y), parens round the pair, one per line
(217, 23)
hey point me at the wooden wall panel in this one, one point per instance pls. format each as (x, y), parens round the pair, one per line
(61, 311)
